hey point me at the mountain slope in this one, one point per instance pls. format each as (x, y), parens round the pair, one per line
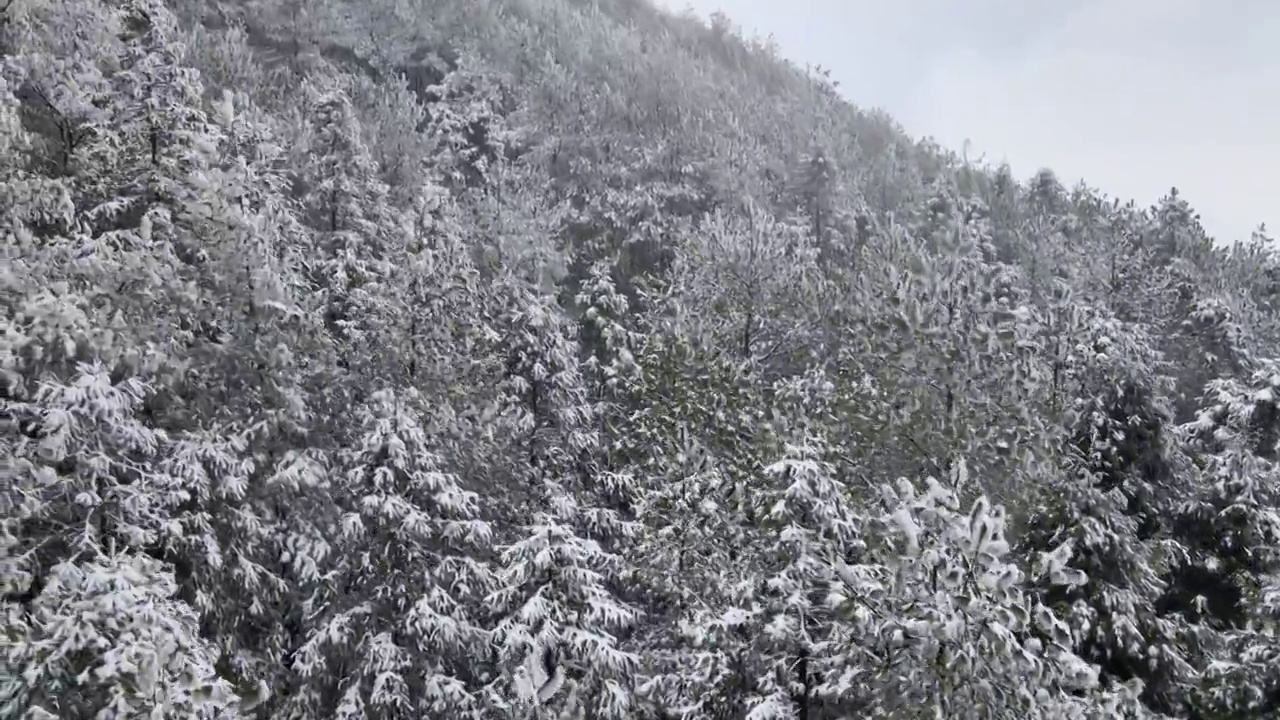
(559, 358)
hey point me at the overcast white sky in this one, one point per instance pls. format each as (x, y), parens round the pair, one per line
(1134, 96)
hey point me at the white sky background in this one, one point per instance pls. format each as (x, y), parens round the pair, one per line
(1133, 96)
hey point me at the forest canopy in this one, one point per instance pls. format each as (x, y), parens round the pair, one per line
(574, 359)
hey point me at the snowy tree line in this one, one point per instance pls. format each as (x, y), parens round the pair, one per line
(570, 359)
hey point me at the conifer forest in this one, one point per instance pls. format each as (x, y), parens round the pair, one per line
(578, 360)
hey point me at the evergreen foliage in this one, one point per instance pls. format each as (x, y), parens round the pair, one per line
(567, 359)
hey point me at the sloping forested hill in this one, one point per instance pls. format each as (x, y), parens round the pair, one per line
(569, 359)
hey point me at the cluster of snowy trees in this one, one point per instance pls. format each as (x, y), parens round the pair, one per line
(569, 359)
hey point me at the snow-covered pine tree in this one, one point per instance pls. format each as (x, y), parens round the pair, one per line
(809, 523)
(393, 622)
(1226, 580)
(559, 576)
(937, 620)
(345, 206)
